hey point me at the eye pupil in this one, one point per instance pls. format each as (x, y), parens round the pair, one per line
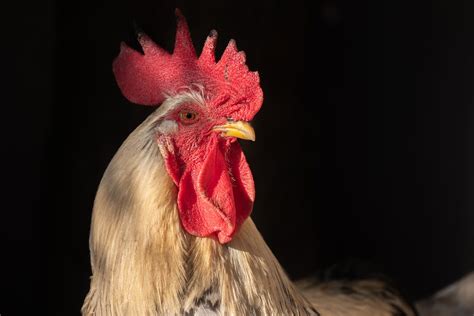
(188, 117)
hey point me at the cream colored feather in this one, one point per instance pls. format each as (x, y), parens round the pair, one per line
(143, 263)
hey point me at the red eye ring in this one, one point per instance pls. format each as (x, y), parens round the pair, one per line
(188, 116)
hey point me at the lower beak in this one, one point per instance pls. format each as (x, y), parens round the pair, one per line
(239, 129)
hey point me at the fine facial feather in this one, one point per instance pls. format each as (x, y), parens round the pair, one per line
(144, 264)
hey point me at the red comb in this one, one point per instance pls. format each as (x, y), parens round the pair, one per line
(148, 78)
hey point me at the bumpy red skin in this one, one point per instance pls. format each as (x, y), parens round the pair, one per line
(215, 185)
(232, 90)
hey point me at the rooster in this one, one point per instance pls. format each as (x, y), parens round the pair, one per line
(171, 232)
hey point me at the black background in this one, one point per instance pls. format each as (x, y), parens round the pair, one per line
(364, 143)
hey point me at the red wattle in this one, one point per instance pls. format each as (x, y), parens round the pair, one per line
(216, 194)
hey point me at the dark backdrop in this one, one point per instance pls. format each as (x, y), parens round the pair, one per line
(365, 140)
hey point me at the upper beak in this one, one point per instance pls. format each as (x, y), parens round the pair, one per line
(239, 129)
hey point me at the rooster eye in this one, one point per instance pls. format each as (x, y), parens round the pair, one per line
(188, 117)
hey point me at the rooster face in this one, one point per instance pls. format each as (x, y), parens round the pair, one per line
(202, 156)
(196, 129)
(189, 122)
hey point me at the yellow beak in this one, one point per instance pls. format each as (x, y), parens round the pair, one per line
(239, 129)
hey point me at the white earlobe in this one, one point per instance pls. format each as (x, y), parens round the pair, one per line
(167, 127)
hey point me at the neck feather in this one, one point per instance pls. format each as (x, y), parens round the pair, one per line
(143, 263)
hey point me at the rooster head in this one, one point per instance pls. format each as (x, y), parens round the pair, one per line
(205, 106)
